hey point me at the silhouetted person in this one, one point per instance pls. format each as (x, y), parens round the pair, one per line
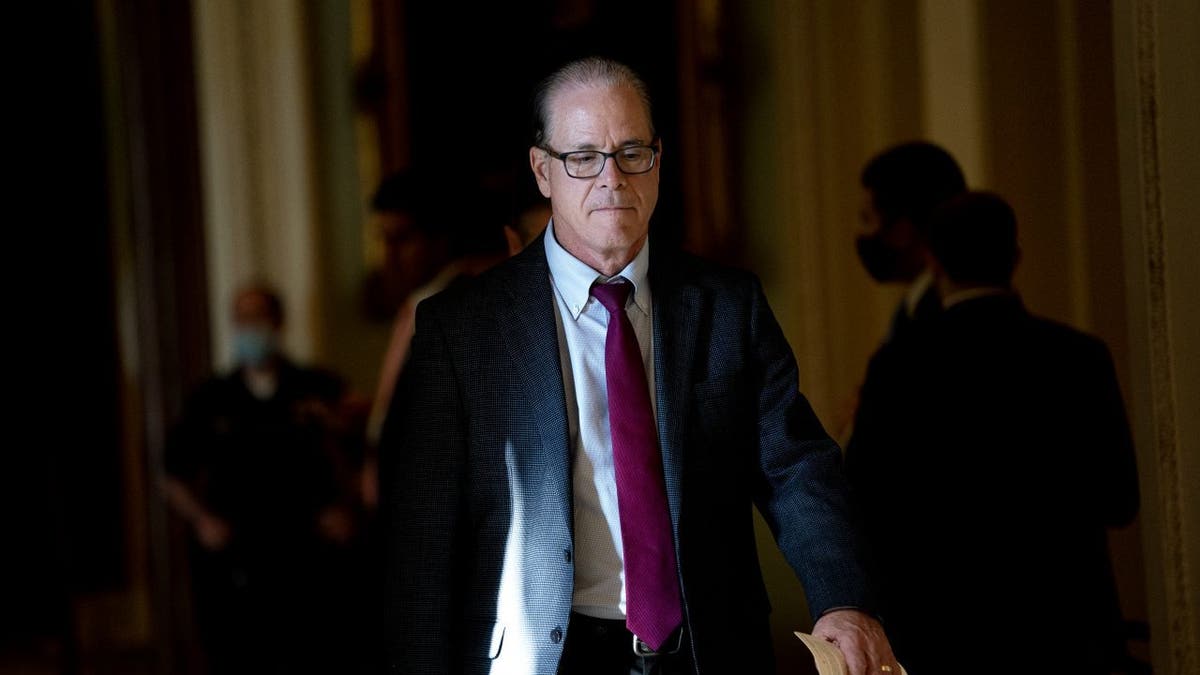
(408, 213)
(530, 214)
(254, 468)
(902, 187)
(991, 452)
(466, 234)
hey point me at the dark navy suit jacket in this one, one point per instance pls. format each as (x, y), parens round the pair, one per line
(990, 452)
(477, 473)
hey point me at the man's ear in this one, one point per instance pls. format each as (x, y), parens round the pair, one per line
(513, 239)
(539, 162)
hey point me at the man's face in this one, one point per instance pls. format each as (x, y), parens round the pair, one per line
(405, 250)
(252, 311)
(607, 217)
(888, 247)
(256, 329)
(870, 219)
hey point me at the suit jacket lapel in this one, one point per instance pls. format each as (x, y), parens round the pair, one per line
(529, 330)
(677, 311)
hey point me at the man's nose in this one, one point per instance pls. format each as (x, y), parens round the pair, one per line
(611, 175)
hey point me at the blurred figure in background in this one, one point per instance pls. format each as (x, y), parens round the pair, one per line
(990, 453)
(902, 186)
(463, 240)
(413, 251)
(499, 220)
(477, 231)
(417, 249)
(531, 214)
(255, 467)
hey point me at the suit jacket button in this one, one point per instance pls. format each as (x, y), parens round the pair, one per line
(567, 554)
(556, 635)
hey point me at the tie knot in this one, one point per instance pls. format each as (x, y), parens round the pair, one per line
(613, 295)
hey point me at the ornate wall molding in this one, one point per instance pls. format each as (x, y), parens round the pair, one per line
(1180, 626)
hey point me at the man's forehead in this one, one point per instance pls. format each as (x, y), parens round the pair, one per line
(582, 114)
(251, 299)
(251, 302)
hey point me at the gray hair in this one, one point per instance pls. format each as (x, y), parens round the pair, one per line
(588, 72)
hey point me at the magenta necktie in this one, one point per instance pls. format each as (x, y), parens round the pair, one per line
(652, 601)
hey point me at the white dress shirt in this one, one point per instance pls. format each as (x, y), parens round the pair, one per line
(973, 293)
(582, 328)
(916, 290)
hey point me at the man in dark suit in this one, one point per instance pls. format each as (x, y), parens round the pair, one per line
(581, 435)
(902, 186)
(990, 452)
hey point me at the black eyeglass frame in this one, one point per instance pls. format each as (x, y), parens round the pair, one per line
(562, 156)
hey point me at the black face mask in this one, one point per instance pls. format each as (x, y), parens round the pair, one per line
(882, 261)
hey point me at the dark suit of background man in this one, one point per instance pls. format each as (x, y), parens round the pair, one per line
(901, 187)
(991, 449)
(510, 551)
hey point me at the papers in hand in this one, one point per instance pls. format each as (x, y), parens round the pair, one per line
(827, 657)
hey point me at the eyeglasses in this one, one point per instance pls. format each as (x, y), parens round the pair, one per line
(631, 159)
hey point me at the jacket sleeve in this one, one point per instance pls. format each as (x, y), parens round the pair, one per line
(423, 456)
(803, 494)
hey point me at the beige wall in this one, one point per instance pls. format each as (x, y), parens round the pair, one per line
(827, 85)
(347, 175)
(283, 202)
(256, 126)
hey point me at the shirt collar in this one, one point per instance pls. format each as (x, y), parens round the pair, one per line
(916, 290)
(974, 293)
(573, 278)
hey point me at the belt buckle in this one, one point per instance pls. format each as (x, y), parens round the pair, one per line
(641, 648)
(644, 650)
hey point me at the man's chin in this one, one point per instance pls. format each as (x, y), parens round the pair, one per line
(622, 219)
(614, 211)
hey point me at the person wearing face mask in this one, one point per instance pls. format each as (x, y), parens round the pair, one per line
(255, 468)
(901, 188)
(992, 447)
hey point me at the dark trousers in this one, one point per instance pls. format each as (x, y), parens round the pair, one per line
(605, 647)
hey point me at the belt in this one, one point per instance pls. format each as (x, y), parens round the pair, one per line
(594, 629)
(675, 640)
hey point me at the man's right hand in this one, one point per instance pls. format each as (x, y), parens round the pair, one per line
(212, 532)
